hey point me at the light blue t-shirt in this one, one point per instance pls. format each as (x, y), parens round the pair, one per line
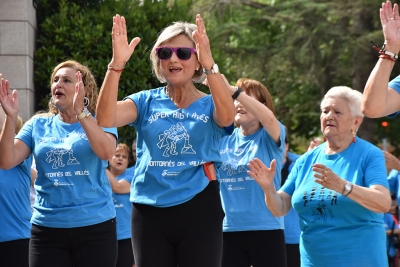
(388, 222)
(123, 208)
(15, 209)
(242, 198)
(291, 219)
(172, 144)
(337, 231)
(72, 186)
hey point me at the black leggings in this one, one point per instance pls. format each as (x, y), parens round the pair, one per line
(125, 253)
(94, 245)
(254, 248)
(187, 235)
(14, 253)
(293, 255)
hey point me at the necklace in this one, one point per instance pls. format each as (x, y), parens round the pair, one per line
(185, 101)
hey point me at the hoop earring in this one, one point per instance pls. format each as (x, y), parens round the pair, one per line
(86, 102)
(51, 102)
(353, 132)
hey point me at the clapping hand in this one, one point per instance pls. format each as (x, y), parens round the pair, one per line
(202, 44)
(390, 21)
(122, 51)
(263, 175)
(8, 100)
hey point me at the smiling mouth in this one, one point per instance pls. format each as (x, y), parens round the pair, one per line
(172, 69)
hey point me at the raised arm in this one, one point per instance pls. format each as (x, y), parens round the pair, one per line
(279, 203)
(119, 187)
(224, 112)
(102, 143)
(13, 151)
(378, 99)
(375, 198)
(107, 106)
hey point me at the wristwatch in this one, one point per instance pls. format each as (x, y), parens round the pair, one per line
(347, 189)
(85, 113)
(214, 69)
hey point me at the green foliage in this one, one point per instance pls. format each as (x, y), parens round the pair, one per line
(299, 49)
(80, 30)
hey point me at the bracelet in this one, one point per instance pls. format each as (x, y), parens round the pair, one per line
(111, 67)
(385, 54)
(237, 93)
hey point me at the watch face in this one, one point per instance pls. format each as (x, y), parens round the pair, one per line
(215, 68)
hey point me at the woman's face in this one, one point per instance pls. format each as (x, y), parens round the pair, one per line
(63, 88)
(243, 117)
(175, 70)
(119, 162)
(336, 118)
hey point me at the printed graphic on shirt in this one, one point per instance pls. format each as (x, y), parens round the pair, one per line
(321, 212)
(175, 135)
(61, 159)
(232, 166)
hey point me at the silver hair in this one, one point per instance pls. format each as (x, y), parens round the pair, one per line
(352, 97)
(170, 32)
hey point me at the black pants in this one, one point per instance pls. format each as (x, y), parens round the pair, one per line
(94, 245)
(293, 255)
(254, 248)
(187, 235)
(14, 253)
(125, 253)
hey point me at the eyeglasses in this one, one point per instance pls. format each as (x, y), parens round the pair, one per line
(183, 53)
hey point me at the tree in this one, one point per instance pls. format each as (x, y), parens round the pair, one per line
(82, 32)
(299, 49)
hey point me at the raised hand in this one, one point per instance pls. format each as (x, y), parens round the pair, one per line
(79, 94)
(263, 175)
(202, 44)
(122, 51)
(8, 100)
(390, 21)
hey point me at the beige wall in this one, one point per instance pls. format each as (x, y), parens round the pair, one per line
(17, 45)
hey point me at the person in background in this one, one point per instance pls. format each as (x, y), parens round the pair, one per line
(339, 190)
(292, 224)
(73, 222)
(120, 180)
(177, 213)
(131, 169)
(392, 232)
(252, 235)
(15, 209)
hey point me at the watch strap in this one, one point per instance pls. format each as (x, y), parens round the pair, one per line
(85, 113)
(237, 93)
(347, 191)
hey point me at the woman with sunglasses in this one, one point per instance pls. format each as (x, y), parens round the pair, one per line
(177, 213)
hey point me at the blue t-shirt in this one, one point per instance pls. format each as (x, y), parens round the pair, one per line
(337, 231)
(72, 186)
(172, 144)
(15, 208)
(395, 84)
(389, 223)
(123, 208)
(393, 179)
(242, 198)
(291, 219)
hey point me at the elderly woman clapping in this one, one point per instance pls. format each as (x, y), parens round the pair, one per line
(339, 190)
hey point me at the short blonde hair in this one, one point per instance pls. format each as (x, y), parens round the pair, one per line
(88, 80)
(170, 32)
(351, 96)
(123, 147)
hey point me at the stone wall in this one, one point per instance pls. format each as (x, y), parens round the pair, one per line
(17, 45)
